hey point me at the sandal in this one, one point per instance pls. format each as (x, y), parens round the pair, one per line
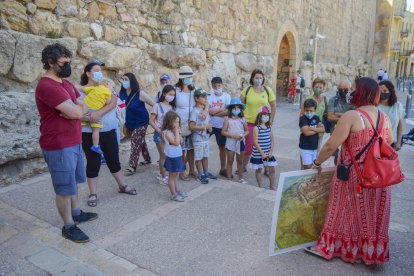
(184, 177)
(124, 190)
(92, 202)
(224, 173)
(193, 175)
(144, 163)
(130, 171)
(242, 181)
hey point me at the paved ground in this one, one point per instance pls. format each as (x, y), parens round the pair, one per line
(222, 229)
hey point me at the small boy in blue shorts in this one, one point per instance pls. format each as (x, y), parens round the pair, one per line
(310, 127)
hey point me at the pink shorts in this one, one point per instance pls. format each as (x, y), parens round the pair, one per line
(249, 140)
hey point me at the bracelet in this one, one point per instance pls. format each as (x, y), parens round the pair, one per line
(316, 164)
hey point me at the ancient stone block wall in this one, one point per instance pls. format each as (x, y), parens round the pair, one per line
(217, 37)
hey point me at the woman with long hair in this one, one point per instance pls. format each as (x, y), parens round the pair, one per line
(394, 110)
(136, 119)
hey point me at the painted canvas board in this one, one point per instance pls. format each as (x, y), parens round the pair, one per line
(300, 206)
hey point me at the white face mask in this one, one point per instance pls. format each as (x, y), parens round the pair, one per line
(265, 119)
(169, 98)
(218, 91)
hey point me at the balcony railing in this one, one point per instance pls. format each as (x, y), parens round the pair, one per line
(396, 47)
(404, 33)
(399, 13)
(405, 53)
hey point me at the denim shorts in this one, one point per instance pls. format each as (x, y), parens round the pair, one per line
(220, 139)
(66, 168)
(157, 138)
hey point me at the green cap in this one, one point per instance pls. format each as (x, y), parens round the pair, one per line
(200, 92)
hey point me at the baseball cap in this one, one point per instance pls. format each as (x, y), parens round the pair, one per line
(165, 77)
(95, 62)
(264, 109)
(200, 92)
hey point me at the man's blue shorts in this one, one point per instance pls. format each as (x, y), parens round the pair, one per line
(67, 169)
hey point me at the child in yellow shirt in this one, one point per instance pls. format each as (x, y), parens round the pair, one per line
(96, 98)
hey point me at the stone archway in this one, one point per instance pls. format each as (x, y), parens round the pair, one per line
(286, 56)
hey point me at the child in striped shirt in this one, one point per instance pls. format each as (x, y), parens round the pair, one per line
(263, 146)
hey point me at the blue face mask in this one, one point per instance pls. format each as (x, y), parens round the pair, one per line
(126, 84)
(188, 81)
(236, 112)
(258, 82)
(310, 115)
(97, 76)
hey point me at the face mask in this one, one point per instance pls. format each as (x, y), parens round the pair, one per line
(384, 96)
(169, 98)
(258, 82)
(342, 93)
(126, 84)
(188, 81)
(265, 119)
(235, 112)
(162, 85)
(65, 70)
(310, 115)
(218, 91)
(97, 76)
(317, 91)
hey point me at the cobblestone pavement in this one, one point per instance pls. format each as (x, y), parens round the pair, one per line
(222, 229)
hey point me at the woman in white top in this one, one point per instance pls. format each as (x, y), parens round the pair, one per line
(394, 110)
(184, 105)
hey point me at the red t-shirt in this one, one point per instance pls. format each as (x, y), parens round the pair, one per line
(56, 132)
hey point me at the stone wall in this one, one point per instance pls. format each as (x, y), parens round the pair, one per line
(219, 37)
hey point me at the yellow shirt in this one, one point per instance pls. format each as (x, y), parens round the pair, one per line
(255, 100)
(96, 96)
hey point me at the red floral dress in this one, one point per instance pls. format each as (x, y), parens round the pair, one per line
(356, 225)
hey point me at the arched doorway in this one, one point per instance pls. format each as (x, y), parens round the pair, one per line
(286, 63)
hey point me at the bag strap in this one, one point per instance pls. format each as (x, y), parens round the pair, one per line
(376, 129)
(130, 100)
(248, 89)
(357, 170)
(373, 136)
(326, 105)
(162, 109)
(189, 107)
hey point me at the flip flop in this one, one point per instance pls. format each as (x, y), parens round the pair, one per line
(144, 163)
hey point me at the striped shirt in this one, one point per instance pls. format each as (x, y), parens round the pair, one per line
(264, 141)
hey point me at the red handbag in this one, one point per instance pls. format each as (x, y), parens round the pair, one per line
(381, 167)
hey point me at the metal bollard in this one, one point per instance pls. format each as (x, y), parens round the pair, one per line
(408, 103)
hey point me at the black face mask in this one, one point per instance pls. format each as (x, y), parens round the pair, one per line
(342, 93)
(384, 96)
(65, 70)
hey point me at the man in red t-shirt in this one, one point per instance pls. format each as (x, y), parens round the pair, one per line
(60, 137)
